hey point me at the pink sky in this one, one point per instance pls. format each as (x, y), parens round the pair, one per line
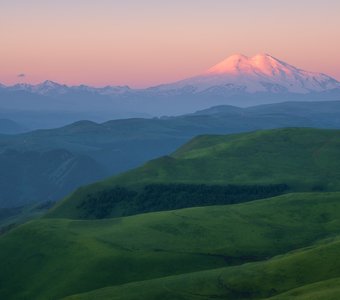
(144, 43)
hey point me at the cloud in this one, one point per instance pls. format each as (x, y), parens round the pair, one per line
(21, 75)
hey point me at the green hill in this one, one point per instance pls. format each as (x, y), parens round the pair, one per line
(55, 258)
(258, 164)
(307, 274)
(301, 157)
(120, 145)
(283, 247)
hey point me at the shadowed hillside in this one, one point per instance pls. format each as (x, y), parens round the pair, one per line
(119, 145)
(294, 159)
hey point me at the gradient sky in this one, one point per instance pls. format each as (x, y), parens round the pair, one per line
(143, 43)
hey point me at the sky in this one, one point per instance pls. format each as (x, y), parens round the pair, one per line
(145, 43)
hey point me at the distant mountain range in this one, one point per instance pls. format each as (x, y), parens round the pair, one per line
(41, 161)
(238, 80)
(237, 73)
(50, 88)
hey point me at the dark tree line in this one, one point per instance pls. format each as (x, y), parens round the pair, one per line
(122, 201)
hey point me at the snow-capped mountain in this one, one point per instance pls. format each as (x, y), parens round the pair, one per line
(51, 88)
(234, 75)
(260, 73)
(43, 88)
(238, 80)
(106, 90)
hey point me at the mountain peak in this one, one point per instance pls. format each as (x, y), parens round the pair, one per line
(259, 73)
(49, 83)
(264, 57)
(239, 63)
(232, 64)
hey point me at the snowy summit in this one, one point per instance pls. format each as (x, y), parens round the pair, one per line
(260, 73)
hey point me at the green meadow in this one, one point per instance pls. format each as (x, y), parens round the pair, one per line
(280, 247)
(55, 258)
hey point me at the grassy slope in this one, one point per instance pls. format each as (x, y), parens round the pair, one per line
(305, 159)
(12, 217)
(64, 257)
(302, 157)
(312, 269)
(323, 290)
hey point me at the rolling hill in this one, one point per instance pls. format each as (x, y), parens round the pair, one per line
(10, 127)
(119, 145)
(252, 250)
(280, 160)
(300, 275)
(282, 247)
